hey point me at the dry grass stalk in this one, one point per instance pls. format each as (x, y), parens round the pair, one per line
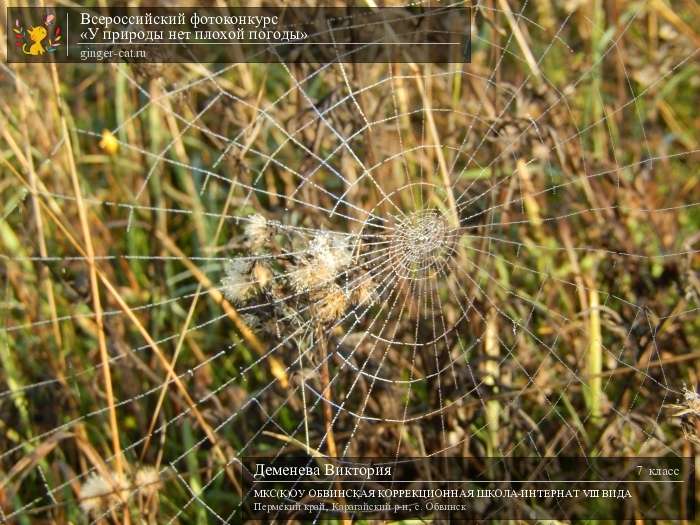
(594, 357)
(491, 369)
(520, 38)
(94, 286)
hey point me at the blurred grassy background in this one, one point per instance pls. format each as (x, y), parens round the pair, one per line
(68, 193)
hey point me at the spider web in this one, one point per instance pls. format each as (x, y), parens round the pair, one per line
(388, 260)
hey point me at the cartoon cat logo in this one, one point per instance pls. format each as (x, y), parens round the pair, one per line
(36, 35)
(36, 40)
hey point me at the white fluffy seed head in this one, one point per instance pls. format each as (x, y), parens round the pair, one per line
(330, 251)
(328, 256)
(310, 276)
(692, 399)
(99, 494)
(257, 231)
(94, 494)
(237, 284)
(147, 481)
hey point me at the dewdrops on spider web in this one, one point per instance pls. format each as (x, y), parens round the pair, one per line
(431, 281)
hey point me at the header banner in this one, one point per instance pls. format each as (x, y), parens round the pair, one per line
(239, 34)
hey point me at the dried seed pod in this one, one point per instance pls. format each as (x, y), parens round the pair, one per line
(329, 304)
(262, 275)
(365, 292)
